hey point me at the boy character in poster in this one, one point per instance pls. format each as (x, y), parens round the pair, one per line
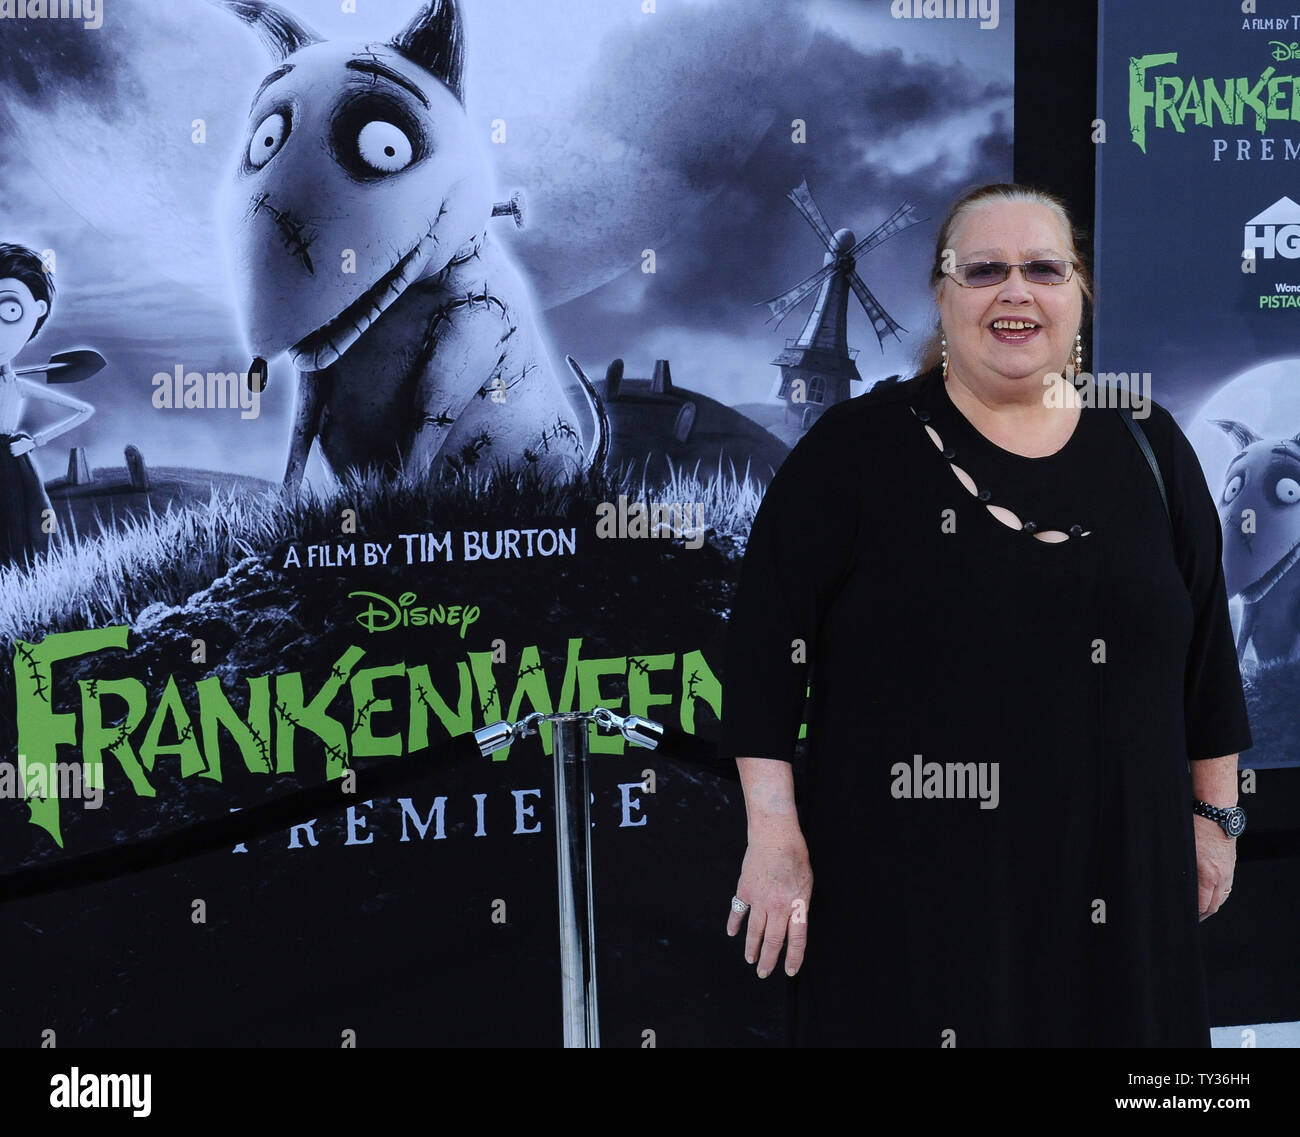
(26, 294)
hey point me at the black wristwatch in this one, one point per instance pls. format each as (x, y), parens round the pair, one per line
(1231, 820)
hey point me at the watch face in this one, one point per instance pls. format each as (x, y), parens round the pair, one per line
(1236, 821)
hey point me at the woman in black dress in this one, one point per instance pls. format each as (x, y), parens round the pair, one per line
(1023, 682)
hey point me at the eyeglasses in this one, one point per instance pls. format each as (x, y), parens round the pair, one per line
(981, 274)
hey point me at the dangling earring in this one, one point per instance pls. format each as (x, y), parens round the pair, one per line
(1078, 353)
(943, 351)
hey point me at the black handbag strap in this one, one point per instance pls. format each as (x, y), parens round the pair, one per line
(1127, 415)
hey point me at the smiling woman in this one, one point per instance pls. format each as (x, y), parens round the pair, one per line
(1010, 312)
(1035, 617)
(1038, 303)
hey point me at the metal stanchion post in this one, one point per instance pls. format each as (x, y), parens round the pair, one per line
(579, 1006)
(573, 864)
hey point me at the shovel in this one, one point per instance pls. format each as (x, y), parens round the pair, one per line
(68, 366)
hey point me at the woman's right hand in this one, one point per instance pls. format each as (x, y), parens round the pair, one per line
(776, 882)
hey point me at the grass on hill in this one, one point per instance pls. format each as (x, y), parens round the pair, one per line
(110, 577)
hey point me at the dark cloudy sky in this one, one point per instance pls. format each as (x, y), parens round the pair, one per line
(624, 130)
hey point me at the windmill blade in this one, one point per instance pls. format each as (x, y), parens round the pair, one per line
(802, 197)
(779, 306)
(881, 321)
(902, 218)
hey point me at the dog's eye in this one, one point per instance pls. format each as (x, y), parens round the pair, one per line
(373, 136)
(267, 140)
(384, 147)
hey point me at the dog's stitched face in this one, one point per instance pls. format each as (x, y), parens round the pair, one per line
(359, 174)
(1264, 478)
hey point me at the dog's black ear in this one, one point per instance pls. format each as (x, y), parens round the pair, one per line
(279, 32)
(1239, 432)
(435, 40)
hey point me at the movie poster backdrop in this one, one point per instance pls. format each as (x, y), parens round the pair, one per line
(1198, 261)
(401, 368)
(1198, 250)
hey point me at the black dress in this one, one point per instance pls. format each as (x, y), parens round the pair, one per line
(1082, 675)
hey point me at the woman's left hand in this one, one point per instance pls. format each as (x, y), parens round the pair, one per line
(21, 444)
(1216, 858)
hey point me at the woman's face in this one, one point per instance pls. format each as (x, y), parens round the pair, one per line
(985, 350)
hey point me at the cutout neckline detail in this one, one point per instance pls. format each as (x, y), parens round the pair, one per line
(1003, 515)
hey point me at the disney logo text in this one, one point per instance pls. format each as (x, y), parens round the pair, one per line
(382, 614)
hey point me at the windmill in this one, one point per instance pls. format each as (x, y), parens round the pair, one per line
(817, 366)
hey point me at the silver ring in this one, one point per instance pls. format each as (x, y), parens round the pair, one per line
(738, 906)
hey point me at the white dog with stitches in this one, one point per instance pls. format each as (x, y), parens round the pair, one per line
(358, 225)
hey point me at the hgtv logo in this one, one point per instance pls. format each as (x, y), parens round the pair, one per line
(1274, 233)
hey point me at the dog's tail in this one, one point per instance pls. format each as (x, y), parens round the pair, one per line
(599, 452)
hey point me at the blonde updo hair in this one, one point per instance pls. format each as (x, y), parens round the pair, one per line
(982, 195)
